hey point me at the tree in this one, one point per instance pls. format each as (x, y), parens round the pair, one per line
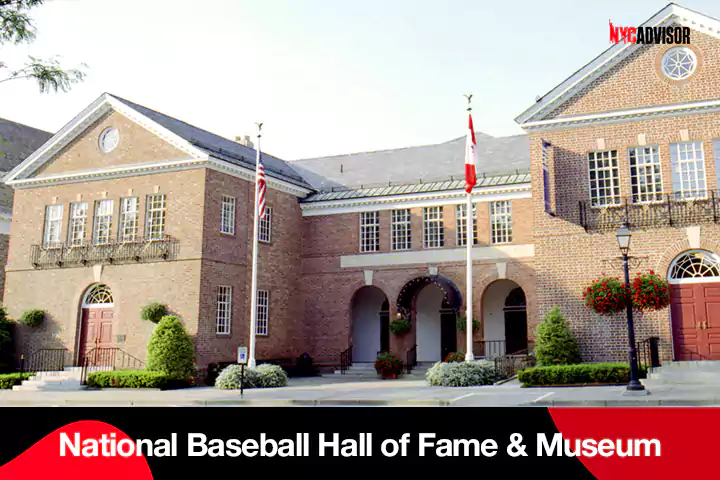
(555, 344)
(170, 349)
(16, 27)
(7, 347)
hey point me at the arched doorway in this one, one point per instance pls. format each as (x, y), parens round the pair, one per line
(504, 319)
(694, 278)
(97, 319)
(370, 332)
(431, 303)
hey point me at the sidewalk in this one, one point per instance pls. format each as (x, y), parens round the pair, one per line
(344, 391)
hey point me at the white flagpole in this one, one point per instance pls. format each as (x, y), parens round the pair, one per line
(469, 240)
(253, 283)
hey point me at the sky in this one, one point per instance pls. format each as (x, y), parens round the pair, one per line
(325, 77)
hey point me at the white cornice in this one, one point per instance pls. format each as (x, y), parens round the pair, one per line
(610, 57)
(438, 255)
(249, 175)
(621, 116)
(446, 197)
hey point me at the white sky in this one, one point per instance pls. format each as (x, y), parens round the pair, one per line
(325, 76)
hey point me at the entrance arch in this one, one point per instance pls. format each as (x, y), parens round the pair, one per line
(370, 329)
(97, 319)
(504, 319)
(694, 278)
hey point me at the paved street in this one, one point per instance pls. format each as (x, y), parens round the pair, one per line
(344, 391)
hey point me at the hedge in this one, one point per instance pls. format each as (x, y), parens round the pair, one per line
(584, 373)
(264, 376)
(8, 380)
(129, 379)
(461, 374)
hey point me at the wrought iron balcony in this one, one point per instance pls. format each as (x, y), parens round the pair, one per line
(667, 210)
(62, 255)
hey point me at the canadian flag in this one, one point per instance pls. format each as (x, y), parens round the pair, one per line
(470, 158)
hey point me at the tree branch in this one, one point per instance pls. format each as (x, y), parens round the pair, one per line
(48, 73)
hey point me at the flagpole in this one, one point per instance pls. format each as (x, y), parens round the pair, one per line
(469, 240)
(253, 282)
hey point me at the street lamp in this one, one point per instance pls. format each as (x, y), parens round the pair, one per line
(623, 238)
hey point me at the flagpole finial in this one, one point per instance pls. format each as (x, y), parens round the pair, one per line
(259, 126)
(469, 96)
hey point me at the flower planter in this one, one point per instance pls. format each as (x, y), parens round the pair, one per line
(650, 292)
(606, 296)
(388, 374)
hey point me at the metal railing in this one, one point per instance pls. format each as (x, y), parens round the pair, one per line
(648, 352)
(346, 360)
(62, 255)
(664, 210)
(46, 360)
(489, 348)
(507, 366)
(101, 359)
(411, 359)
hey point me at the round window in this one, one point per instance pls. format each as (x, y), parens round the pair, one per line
(109, 139)
(679, 63)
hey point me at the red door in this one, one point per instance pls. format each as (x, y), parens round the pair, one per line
(695, 311)
(96, 330)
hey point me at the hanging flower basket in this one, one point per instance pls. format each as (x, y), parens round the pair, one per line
(650, 292)
(461, 323)
(606, 295)
(400, 325)
(388, 365)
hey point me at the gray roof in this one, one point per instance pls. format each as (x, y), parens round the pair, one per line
(219, 147)
(17, 142)
(414, 165)
(341, 193)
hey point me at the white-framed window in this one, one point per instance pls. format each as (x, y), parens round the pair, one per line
(155, 217)
(501, 222)
(461, 225)
(645, 174)
(263, 312)
(223, 309)
(76, 226)
(687, 162)
(604, 178)
(433, 228)
(265, 226)
(227, 215)
(103, 222)
(53, 225)
(129, 214)
(369, 231)
(678, 63)
(400, 229)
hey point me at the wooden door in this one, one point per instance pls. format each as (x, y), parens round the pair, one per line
(96, 330)
(448, 332)
(515, 331)
(695, 310)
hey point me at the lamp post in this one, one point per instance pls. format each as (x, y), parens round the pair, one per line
(623, 238)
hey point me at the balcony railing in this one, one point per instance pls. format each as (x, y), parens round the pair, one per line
(62, 255)
(667, 210)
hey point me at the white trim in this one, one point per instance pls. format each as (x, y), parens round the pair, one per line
(437, 255)
(445, 197)
(610, 57)
(249, 175)
(89, 289)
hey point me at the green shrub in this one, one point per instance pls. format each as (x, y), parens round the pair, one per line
(128, 379)
(400, 325)
(264, 376)
(616, 373)
(170, 349)
(8, 380)
(555, 344)
(461, 323)
(454, 357)
(32, 318)
(153, 312)
(465, 374)
(387, 362)
(7, 346)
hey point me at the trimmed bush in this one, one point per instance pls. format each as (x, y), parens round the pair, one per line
(129, 379)
(465, 374)
(555, 344)
(8, 380)
(33, 318)
(170, 350)
(153, 312)
(401, 325)
(614, 373)
(7, 347)
(264, 376)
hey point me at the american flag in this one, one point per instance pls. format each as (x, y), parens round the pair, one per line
(262, 186)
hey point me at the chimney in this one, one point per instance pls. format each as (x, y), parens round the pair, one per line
(245, 140)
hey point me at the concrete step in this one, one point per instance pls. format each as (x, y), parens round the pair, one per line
(58, 380)
(685, 373)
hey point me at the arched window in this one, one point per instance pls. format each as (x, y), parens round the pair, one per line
(697, 265)
(515, 300)
(99, 294)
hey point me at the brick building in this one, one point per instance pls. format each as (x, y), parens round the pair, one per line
(125, 206)
(633, 137)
